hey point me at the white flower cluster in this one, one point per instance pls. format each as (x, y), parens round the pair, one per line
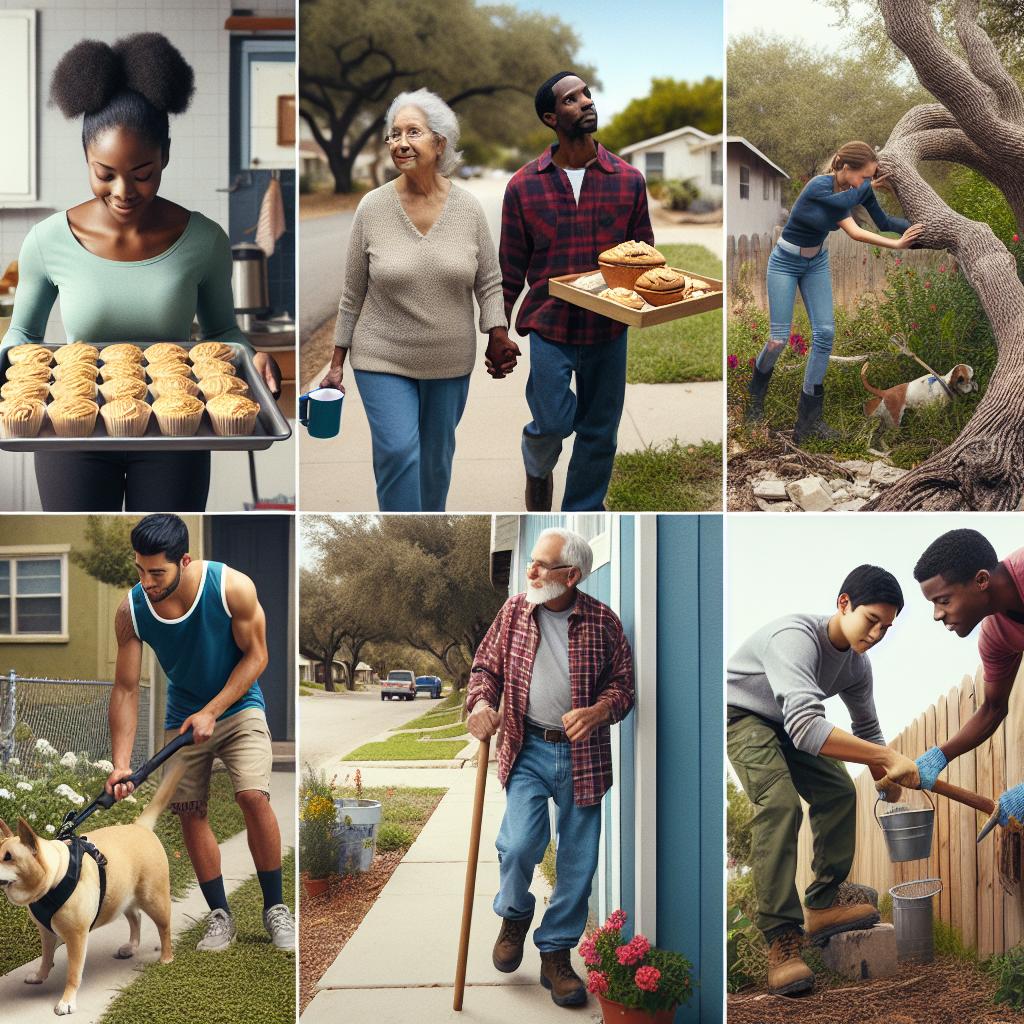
(69, 760)
(103, 766)
(45, 749)
(15, 762)
(129, 799)
(5, 794)
(27, 786)
(50, 829)
(66, 791)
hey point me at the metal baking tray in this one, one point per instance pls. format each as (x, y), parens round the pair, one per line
(271, 425)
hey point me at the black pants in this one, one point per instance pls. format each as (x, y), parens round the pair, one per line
(110, 481)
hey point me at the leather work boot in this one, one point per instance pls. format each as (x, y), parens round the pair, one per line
(788, 975)
(508, 949)
(538, 493)
(821, 925)
(556, 974)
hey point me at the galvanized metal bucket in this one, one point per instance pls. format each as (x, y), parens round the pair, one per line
(912, 917)
(908, 833)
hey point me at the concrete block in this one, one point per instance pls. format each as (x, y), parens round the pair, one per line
(884, 474)
(863, 955)
(776, 506)
(770, 490)
(858, 467)
(811, 493)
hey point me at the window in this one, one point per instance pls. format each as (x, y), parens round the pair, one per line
(33, 596)
(766, 191)
(744, 181)
(716, 166)
(654, 166)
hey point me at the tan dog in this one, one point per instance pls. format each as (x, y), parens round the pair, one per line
(890, 404)
(137, 879)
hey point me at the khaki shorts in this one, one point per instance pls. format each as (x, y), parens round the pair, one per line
(242, 742)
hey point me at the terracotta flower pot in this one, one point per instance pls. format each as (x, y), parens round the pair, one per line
(616, 1013)
(315, 886)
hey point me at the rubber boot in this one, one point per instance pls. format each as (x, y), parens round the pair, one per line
(788, 975)
(756, 389)
(809, 421)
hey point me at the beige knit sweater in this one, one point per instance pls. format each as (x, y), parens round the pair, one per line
(407, 306)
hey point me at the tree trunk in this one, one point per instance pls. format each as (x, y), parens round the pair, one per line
(328, 667)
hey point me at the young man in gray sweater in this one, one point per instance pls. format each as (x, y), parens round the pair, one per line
(783, 749)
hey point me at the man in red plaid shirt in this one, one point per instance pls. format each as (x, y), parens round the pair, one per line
(559, 665)
(560, 211)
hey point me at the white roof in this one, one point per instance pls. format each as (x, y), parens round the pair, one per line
(665, 137)
(753, 149)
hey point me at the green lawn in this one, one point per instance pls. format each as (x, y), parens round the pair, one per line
(405, 746)
(683, 350)
(407, 807)
(430, 719)
(669, 478)
(249, 983)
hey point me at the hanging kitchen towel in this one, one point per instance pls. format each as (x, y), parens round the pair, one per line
(271, 225)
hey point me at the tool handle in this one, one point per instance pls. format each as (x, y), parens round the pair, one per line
(964, 796)
(144, 771)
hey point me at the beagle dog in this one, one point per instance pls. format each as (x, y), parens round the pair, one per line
(891, 403)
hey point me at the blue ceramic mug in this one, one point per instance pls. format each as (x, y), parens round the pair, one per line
(320, 411)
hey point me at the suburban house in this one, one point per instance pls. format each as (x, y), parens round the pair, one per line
(662, 834)
(678, 155)
(755, 201)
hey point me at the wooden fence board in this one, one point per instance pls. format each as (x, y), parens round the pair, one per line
(942, 818)
(967, 765)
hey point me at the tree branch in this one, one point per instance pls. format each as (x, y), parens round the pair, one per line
(985, 62)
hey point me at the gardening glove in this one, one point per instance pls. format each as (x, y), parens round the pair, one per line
(929, 764)
(888, 790)
(1011, 805)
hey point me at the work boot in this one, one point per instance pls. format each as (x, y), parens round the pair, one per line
(756, 389)
(788, 975)
(821, 925)
(556, 974)
(538, 493)
(508, 950)
(809, 421)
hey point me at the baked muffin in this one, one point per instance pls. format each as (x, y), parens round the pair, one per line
(38, 354)
(125, 417)
(21, 417)
(76, 368)
(29, 371)
(27, 388)
(123, 387)
(222, 384)
(73, 416)
(122, 350)
(120, 368)
(77, 350)
(173, 384)
(212, 368)
(632, 254)
(165, 350)
(623, 296)
(210, 350)
(168, 368)
(74, 387)
(178, 415)
(662, 279)
(232, 414)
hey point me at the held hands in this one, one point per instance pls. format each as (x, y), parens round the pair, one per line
(269, 371)
(910, 236)
(119, 790)
(332, 379)
(899, 771)
(500, 357)
(483, 722)
(202, 723)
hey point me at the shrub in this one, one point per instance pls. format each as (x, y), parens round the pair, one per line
(318, 846)
(678, 195)
(1008, 972)
(392, 837)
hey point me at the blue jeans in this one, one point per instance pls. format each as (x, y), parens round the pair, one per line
(786, 271)
(544, 770)
(412, 424)
(593, 413)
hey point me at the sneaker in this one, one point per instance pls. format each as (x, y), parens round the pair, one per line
(788, 975)
(219, 934)
(280, 926)
(508, 948)
(557, 975)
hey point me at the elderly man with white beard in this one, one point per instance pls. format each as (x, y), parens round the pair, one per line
(559, 664)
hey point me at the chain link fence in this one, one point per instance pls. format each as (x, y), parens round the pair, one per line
(69, 714)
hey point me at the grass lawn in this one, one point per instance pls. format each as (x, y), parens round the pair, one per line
(683, 350)
(250, 982)
(670, 478)
(405, 746)
(430, 719)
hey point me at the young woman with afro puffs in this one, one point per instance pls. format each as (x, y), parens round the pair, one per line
(127, 265)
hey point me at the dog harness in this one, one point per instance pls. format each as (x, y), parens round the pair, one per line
(44, 909)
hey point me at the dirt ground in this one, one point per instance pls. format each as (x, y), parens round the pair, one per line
(315, 352)
(948, 991)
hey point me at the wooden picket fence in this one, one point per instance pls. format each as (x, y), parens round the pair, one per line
(972, 901)
(856, 268)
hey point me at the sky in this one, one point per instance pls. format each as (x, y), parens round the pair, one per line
(627, 49)
(797, 563)
(808, 20)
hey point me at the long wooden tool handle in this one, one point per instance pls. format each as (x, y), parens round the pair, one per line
(471, 862)
(964, 796)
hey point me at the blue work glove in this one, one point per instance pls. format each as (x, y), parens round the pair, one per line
(929, 764)
(1011, 804)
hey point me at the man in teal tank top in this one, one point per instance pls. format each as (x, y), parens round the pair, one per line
(206, 627)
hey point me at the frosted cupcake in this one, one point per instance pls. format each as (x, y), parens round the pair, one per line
(76, 368)
(178, 415)
(173, 385)
(73, 417)
(21, 417)
(123, 387)
(28, 388)
(38, 354)
(232, 414)
(125, 417)
(119, 368)
(167, 368)
(165, 350)
(122, 350)
(77, 350)
(212, 368)
(29, 371)
(74, 387)
(210, 350)
(211, 387)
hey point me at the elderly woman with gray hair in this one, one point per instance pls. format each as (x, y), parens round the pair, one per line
(419, 251)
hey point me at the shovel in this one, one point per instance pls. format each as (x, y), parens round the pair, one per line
(106, 800)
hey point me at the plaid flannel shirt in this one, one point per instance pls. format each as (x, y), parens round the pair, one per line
(545, 234)
(600, 669)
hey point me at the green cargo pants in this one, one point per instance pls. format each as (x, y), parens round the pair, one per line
(775, 775)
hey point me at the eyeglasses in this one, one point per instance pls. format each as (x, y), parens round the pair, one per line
(532, 563)
(410, 135)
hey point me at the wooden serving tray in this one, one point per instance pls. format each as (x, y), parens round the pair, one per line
(561, 288)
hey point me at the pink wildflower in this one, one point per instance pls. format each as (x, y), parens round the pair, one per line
(733, 362)
(1016, 238)
(647, 979)
(914, 325)
(597, 982)
(617, 918)
(899, 263)
(927, 284)
(942, 268)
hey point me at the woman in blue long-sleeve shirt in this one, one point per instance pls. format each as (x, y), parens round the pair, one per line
(800, 259)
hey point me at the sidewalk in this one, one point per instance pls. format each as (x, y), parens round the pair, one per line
(103, 975)
(400, 964)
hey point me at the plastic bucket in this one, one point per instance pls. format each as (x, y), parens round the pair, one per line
(320, 411)
(908, 834)
(912, 917)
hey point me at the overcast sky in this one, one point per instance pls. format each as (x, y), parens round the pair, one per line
(781, 563)
(808, 20)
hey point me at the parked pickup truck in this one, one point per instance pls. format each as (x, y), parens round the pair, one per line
(431, 684)
(400, 683)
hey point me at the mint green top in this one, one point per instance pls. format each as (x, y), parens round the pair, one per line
(105, 300)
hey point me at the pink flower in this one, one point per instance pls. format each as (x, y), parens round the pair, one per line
(733, 362)
(617, 918)
(899, 262)
(914, 325)
(1016, 238)
(927, 284)
(942, 268)
(627, 954)
(597, 982)
(647, 978)
(641, 943)
(588, 950)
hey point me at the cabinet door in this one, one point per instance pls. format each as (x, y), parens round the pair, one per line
(18, 89)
